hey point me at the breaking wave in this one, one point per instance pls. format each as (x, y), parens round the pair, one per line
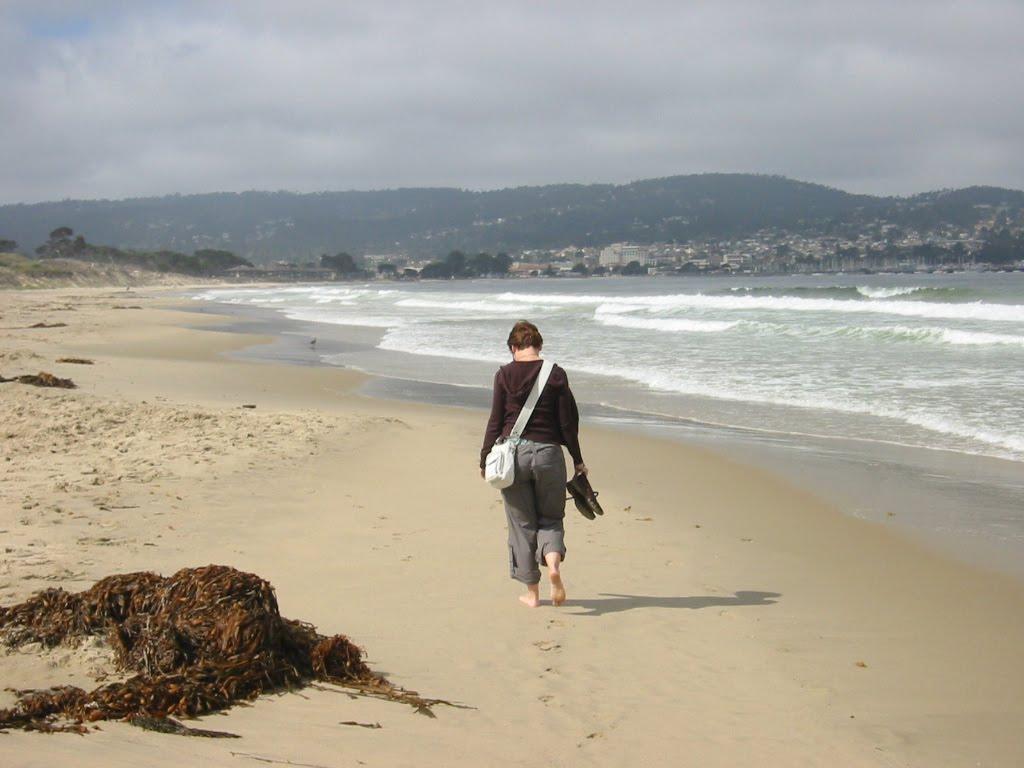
(1011, 313)
(665, 324)
(858, 293)
(487, 307)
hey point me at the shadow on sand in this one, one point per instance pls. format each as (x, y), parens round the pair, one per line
(612, 603)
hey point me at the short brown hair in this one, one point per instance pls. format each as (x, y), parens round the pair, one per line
(525, 334)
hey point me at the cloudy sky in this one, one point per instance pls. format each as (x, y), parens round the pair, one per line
(116, 99)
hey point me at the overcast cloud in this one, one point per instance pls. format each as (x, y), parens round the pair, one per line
(111, 99)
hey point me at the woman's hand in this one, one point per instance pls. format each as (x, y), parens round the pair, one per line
(581, 468)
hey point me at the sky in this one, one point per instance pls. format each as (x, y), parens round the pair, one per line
(108, 99)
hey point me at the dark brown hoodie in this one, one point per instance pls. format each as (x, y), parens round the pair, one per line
(556, 419)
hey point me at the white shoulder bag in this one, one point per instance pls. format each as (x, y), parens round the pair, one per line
(500, 467)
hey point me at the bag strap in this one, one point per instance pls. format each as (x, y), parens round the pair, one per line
(531, 401)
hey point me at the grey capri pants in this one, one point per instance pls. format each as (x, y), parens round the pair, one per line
(535, 508)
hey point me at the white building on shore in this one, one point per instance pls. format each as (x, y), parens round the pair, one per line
(620, 254)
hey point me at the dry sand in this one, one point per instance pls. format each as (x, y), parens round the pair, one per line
(717, 616)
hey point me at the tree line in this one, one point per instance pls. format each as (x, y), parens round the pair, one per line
(1002, 247)
(455, 265)
(458, 264)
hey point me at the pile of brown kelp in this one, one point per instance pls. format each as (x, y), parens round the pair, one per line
(199, 641)
(41, 379)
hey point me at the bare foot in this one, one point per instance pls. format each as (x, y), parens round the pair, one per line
(532, 596)
(557, 589)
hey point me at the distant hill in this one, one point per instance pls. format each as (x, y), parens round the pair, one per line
(264, 226)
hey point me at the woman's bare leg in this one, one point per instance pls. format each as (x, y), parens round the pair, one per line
(554, 561)
(532, 596)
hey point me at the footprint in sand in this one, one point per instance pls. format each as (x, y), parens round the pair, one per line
(547, 645)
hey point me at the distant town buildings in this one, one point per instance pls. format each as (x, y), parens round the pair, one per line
(620, 254)
(874, 245)
(374, 260)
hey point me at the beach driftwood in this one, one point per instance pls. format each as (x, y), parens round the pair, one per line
(198, 641)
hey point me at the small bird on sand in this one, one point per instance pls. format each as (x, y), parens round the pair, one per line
(313, 342)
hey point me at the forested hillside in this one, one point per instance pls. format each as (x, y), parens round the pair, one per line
(264, 226)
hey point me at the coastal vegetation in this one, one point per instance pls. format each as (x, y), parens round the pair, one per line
(63, 244)
(66, 259)
(13, 264)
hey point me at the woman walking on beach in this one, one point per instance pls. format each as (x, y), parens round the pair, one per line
(535, 502)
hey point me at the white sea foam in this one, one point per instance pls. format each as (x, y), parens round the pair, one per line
(1007, 445)
(426, 341)
(673, 325)
(946, 382)
(620, 309)
(931, 335)
(951, 426)
(888, 293)
(979, 338)
(967, 311)
(899, 333)
(333, 318)
(622, 316)
(488, 307)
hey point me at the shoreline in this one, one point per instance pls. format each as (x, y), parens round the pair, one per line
(718, 615)
(917, 490)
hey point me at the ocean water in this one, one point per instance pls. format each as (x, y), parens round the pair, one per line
(931, 362)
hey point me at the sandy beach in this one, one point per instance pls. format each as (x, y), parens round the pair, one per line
(717, 614)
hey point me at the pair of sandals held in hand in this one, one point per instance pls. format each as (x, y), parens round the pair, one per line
(584, 496)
